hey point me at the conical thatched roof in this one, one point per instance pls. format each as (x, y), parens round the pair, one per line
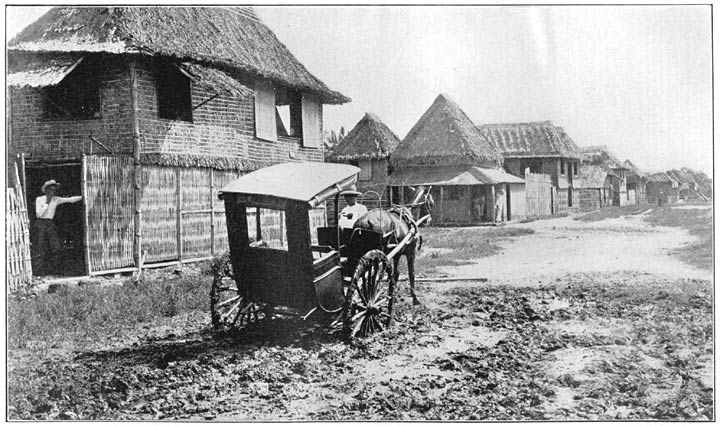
(535, 139)
(228, 37)
(444, 136)
(369, 139)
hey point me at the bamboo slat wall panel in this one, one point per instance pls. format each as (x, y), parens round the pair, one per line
(196, 215)
(110, 205)
(561, 201)
(159, 213)
(221, 178)
(538, 195)
(17, 240)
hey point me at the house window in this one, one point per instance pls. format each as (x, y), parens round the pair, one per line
(575, 169)
(455, 193)
(174, 97)
(365, 170)
(562, 167)
(288, 113)
(77, 97)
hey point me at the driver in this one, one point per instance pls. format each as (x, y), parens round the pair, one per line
(353, 211)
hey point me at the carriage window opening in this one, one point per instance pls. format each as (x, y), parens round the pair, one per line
(273, 228)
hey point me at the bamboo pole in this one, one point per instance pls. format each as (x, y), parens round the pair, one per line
(137, 168)
(178, 208)
(86, 231)
(212, 212)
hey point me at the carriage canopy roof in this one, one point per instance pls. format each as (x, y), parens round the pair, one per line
(308, 182)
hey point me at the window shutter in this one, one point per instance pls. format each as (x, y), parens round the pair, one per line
(311, 110)
(365, 169)
(265, 127)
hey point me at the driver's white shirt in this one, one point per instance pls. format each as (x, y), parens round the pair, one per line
(357, 210)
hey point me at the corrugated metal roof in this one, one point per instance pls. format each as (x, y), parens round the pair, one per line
(37, 72)
(453, 175)
(310, 182)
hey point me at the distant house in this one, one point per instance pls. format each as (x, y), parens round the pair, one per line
(368, 146)
(636, 182)
(539, 148)
(592, 188)
(616, 179)
(661, 189)
(147, 112)
(687, 186)
(445, 150)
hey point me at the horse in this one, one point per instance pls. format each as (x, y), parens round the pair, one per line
(396, 224)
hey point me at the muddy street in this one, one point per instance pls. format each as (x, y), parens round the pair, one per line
(577, 320)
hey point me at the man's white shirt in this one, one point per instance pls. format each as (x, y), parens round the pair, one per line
(357, 210)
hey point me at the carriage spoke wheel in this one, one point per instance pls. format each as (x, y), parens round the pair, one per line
(228, 308)
(369, 302)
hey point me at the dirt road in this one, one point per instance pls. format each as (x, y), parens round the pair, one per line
(576, 321)
(567, 246)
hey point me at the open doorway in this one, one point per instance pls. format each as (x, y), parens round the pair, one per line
(68, 219)
(508, 212)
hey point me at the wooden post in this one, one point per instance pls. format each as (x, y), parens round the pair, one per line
(337, 219)
(442, 205)
(86, 212)
(258, 222)
(179, 212)
(492, 202)
(137, 168)
(212, 211)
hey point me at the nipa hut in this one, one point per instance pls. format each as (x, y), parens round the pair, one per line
(616, 179)
(368, 146)
(539, 148)
(636, 182)
(146, 112)
(446, 151)
(662, 189)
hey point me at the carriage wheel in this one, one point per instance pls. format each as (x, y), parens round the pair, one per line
(228, 308)
(369, 302)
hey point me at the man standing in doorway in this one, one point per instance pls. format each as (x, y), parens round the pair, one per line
(500, 205)
(47, 239)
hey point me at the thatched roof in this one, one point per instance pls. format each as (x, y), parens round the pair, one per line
(599, 155)
(462, 175)
(633, 169)
(231, 38)
(590, 177)
(444, 135)
(660, 177)
(536, 139)
(369, 139)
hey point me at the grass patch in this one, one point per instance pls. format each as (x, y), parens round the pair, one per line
(698, 222)
(614, 212)
(458, 245)
(96, 312)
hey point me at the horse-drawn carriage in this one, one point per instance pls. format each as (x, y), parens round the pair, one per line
(279, 258)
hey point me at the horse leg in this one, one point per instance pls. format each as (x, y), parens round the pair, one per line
(410, 258)
(396, 269)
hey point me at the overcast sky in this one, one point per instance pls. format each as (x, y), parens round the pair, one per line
(635, 78)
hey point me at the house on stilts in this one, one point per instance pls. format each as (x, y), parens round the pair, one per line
(546, 157)
(616, 179)
(367, 146)
(662, 189)
(444, 150)
(147, 112)
(636, 183)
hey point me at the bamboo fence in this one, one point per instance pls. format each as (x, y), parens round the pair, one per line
(17, 239)
(538, 195)
(109, 201)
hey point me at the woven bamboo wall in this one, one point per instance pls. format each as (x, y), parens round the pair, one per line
(220, 179)
(110, 202)
(195, 213)
(159, 213)
(17, 240)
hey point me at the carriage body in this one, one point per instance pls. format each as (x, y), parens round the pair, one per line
(296, 274)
